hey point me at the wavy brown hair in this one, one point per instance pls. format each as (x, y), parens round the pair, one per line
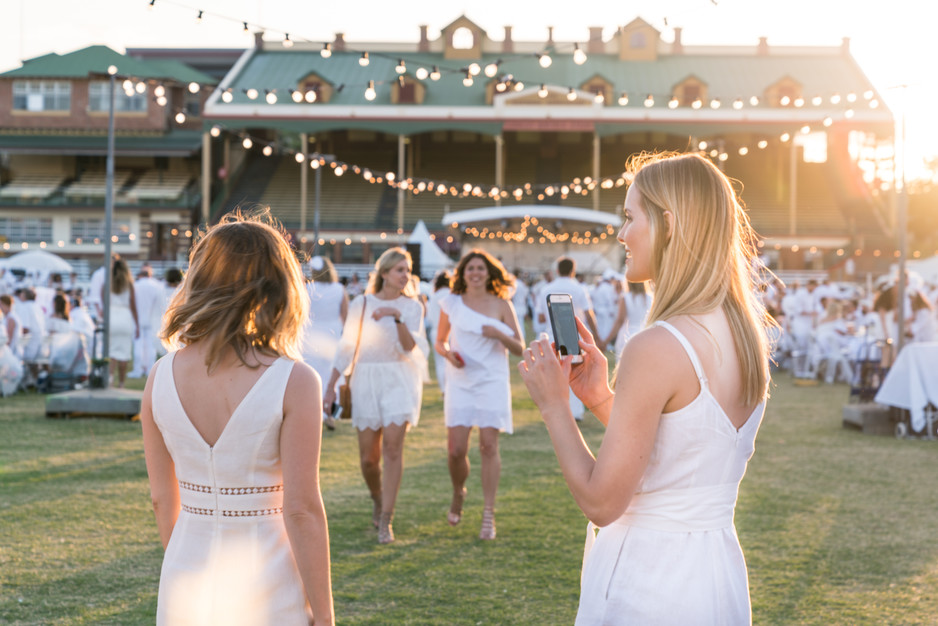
(121, 277)
(244, 291)
(499, 282)
(707, 261)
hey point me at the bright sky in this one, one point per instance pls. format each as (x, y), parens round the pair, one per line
(894, 42)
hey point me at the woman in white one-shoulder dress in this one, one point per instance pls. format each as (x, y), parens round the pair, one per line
(689, 396)
(477, 329)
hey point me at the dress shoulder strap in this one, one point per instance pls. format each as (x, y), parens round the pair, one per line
(688, 348)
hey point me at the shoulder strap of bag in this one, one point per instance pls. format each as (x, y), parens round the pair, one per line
(358, 341)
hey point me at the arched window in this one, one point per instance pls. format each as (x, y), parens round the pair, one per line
(463, 39)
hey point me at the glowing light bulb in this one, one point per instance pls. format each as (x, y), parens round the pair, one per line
(363, 61)
(650, 101)
(785, 101)
(474, 69)
(702, 145)
(673, 102)
(287, 42)
(180, 118)
(268, 150)
(140, 87)
(271, 97)
(817, 100)
(542, 92)
(127, 85)
(835, 99)
(715, 104)
(799, 102)
(754, 101)
(696, 104)
(251, 93)
(401, 67)
(435, 73)
(851, 97)
(571, 95)
(743, 151)
(296, 96)
(111, 70)
(247, 143)
(828, 121)
(216, 131)
(579, 57)
(159, 90)
(300, 157)
(310, 96)
(162, 101)
(623, 99)
(422, 73)
(599, 98)
(738, 103)
(370, 93)
(544, 60)
(326, 51)
(763, 144)
(849, 113)
(785, 137)
(805, 129)
(227, 96)
(467, 81)
(491, 70)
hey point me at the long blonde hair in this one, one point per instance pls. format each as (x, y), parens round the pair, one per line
(244, 290)
(388, 259)
(706, 263)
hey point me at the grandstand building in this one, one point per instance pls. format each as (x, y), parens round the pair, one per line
(352, 144)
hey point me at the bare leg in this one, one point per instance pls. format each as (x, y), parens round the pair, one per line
(392, 450)
(491, 470)
(369, 449)
(491, 464)
(458, 447)
(121, 373)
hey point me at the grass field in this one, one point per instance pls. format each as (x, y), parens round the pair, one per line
(837, 527)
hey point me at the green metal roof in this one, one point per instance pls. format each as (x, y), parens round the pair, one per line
(727, 76)
(96, 59)
(177, 143)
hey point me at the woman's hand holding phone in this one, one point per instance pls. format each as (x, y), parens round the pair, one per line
(589, 380)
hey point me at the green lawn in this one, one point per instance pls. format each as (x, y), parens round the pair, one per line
(837, 527)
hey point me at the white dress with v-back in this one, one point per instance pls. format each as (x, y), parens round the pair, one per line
(674, 557)
(229, 560)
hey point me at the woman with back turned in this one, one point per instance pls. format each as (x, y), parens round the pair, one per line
(231, 431)
(681, 421)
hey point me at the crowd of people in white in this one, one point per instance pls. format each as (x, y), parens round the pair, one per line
(830, 330)
(49, 326)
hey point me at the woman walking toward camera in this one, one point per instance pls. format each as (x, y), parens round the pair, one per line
(385, 324)
(231, 431)
(681, 422)
(477, 329)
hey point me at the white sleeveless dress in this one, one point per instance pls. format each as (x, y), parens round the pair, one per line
(674, 557)
(121, 328)
(229, 560)
(478, 394)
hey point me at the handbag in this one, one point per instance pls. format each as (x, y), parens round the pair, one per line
(345, 389)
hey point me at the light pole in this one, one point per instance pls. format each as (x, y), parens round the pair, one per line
(318, 182)
(108, 219)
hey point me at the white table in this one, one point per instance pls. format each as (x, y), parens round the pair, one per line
(912, 381)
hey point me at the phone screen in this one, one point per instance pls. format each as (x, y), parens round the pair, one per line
(563, 324)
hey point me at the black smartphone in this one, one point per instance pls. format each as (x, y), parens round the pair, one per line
(563, 325)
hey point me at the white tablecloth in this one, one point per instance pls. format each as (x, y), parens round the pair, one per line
(912, 381)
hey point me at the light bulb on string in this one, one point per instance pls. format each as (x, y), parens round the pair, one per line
(763, 144)
(140, 87)
(363, 60)
(296, 96)
(310, 96)
(251, 93)
(785, 101)
(851, 97)
(287, 42)
(849, 113)
(247, 143)
(326, 51)
(271, 96)
(474, 69)
(799, 102)
(715, 104)
(246, 30)
(216, 131)
(162, 101)
(785, 137)
(400, 68)
(805, 129)
(370, 93)
(738, 104)
(623, 99)
(579, 57)
(868, 94)
(467, 80)
(754, 101)
(180, 118)
(874, 104)
(127, 85)
(702, 145)
(835, 99)
(519, 86)
(422, 73)
(159, 90)
(542, 92)
(492, 69)
(300, 157)
(111, 70)
(599, 98)
(649, 101)
(817, 100)
(571, 95)
(268, 150)
(544, 60)
(227, 96)
(673, 102)
(435, 73)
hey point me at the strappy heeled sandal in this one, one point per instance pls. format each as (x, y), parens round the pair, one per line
(487, 531)
(454, 515)
(385, 532)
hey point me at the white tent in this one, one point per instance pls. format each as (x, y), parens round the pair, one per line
(37, 262)
(432, 259)
(926, 268)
